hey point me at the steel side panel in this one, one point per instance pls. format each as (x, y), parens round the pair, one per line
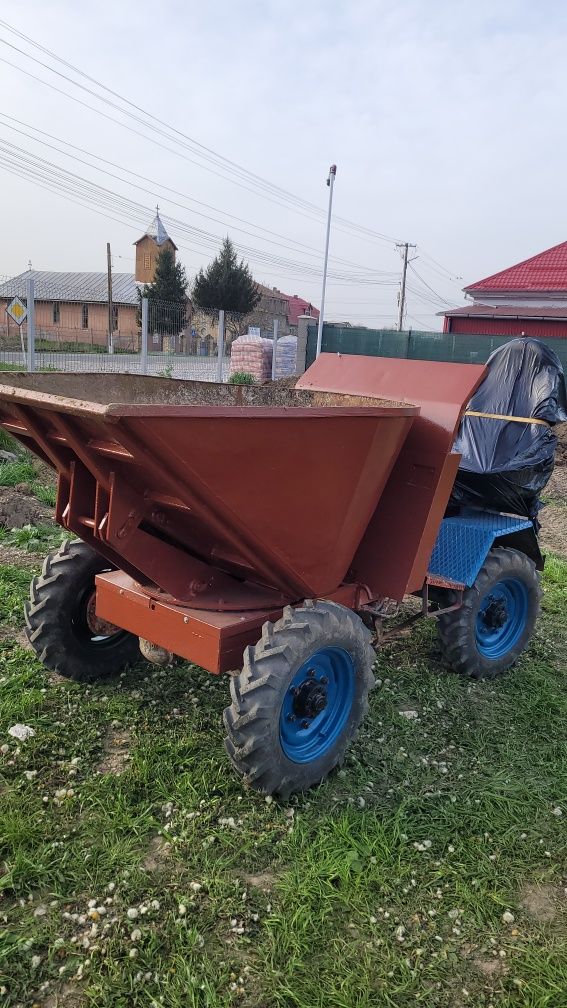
(434, 518)
(394, 552)
(290, 498)
(441, 389)
(213, 640)
(279, 496)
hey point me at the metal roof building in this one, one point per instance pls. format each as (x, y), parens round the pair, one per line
(83, 288)
(526, 299)
(157, 232)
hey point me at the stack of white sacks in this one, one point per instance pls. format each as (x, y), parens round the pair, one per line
(286, 357)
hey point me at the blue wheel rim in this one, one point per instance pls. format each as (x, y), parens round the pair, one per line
(307, 728)
(501, 618)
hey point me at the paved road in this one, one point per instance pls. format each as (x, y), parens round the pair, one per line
(168, 365)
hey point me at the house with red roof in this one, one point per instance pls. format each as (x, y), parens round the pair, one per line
(528, 299)
(299, 306)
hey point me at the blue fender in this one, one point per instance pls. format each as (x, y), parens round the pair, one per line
(464, 541)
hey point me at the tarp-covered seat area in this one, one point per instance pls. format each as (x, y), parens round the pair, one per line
(506, 436)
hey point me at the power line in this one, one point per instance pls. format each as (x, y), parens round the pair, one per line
(450, 273)
(424, 282)
(281, 199)
(59, 183)
(162, 188)
(69, 183)
(209, 159)
(426, 297)
(262, 187)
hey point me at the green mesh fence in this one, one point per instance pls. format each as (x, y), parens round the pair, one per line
(461, 348)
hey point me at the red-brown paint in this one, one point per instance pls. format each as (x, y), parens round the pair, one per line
(218, 516)
(395, 550)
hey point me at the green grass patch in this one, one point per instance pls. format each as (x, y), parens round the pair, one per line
(393, 884)
(25, 470)
(34, 538)
(46, 493)
(70, 346)
(22, 471)
(8, 443)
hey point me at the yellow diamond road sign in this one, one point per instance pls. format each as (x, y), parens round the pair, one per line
(17, 310)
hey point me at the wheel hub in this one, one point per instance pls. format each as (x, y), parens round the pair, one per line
(317, 704)
(501, 618)
(309, 699)
(495, 614)
(98, 626)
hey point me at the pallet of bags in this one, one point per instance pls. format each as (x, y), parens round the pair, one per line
(286, 357)
(249, 354)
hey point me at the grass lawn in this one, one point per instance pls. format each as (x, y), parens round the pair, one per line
(135, 870)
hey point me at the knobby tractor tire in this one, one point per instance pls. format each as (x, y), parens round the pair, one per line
(507, 591)
(334, 638)
(57, 622)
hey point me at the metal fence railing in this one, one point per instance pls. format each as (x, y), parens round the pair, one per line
(149, 337)
(40, 331)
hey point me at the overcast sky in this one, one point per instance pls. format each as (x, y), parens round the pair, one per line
(444, 117)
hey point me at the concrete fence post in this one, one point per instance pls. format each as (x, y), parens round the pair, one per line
(30, 362)
(303, 323)
(274, 354)
(144, 344)
(220, 348)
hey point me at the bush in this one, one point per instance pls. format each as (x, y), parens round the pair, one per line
(241, 378)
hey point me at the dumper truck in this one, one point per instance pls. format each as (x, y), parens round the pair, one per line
(270, 533)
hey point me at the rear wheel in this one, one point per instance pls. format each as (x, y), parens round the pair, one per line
(497, 619)
(300, 698)
(61, 623)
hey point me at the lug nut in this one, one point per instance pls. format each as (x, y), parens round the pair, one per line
(305, 724)
(291, 717)
(324, 680)
(311, 673)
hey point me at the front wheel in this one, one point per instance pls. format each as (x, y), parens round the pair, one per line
(300, 698)
(497, 618)
(61, 623)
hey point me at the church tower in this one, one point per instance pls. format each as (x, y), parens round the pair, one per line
(149, 246)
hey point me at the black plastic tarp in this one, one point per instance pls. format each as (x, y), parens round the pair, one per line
(506, 464)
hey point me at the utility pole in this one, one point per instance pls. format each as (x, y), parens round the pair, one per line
(406, 246)
(330, 183)
(110, 307)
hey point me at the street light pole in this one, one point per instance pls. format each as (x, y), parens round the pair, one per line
(110, 346)
(330, 183)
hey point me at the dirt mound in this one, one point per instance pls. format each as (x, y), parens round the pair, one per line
(18, 507)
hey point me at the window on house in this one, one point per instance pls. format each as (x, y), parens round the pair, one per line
(114, 317)
(85, 320)
(147, 261)
(56, 312)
